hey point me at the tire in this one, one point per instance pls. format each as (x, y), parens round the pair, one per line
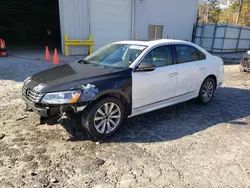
(109, 122)
(241, 68)
(207, 86)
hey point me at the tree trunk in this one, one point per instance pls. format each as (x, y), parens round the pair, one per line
(239, 11)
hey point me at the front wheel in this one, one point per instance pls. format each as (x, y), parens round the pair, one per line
(207, 90)
(103, 118)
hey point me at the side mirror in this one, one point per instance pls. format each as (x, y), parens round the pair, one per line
(145, 67)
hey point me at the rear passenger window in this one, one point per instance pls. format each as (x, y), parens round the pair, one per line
(187, 53)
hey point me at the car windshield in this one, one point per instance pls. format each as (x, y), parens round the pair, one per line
(115, 55)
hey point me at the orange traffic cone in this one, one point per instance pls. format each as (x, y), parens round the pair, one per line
(47, 55)
(2, 48)
(56, 58)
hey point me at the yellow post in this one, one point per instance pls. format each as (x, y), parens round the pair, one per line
(67, 43)
(66, 47)
(91, 46)
(136, 37)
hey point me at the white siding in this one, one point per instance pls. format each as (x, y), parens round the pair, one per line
(177, 17)
(74, 22)
(110, 21)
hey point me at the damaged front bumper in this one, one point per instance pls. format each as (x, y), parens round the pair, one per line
(50, 111)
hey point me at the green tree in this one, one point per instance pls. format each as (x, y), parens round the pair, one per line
(237, 13)
(245, 15)
(209, 11)
(224, 11)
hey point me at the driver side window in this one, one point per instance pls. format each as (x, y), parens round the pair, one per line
(159, 57)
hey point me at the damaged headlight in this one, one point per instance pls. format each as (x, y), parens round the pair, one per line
(66, 97)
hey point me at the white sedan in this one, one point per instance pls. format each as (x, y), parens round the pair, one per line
(125, 79)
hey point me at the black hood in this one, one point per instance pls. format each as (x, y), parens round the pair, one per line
(70, 76)
(70, 72)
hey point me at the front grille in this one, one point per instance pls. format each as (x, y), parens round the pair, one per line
(31, 95)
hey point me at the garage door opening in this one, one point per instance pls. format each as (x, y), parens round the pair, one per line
(30, 24)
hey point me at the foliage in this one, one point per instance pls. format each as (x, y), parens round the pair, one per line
(209, 11)
(245, 15)
(224, 11)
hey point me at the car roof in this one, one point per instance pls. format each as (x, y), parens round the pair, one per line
(154, 42)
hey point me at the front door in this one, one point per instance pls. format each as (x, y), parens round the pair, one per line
(154, 88)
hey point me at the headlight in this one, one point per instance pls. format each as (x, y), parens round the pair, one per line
(62, 97)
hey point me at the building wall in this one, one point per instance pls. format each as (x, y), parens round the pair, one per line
(177, 17)
(113, 20)
(107, 20)
(110, 21)
(74, 21)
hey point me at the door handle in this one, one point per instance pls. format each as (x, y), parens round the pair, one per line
(172, 74)
(202, 68)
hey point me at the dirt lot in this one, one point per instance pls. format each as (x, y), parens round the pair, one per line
(181, 146)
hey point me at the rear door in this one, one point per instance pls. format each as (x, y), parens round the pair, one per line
(191, 69)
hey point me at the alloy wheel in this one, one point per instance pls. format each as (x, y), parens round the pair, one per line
(107, 118)
(207, 91)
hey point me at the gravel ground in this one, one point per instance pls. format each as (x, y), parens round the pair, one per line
(186, 145)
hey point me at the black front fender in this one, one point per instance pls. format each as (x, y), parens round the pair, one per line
(114, 91)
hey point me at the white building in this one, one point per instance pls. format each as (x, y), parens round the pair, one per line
(46, 22)
(114, 20)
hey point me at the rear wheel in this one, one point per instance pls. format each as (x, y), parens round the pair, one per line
(103, 118)
(207, 91)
